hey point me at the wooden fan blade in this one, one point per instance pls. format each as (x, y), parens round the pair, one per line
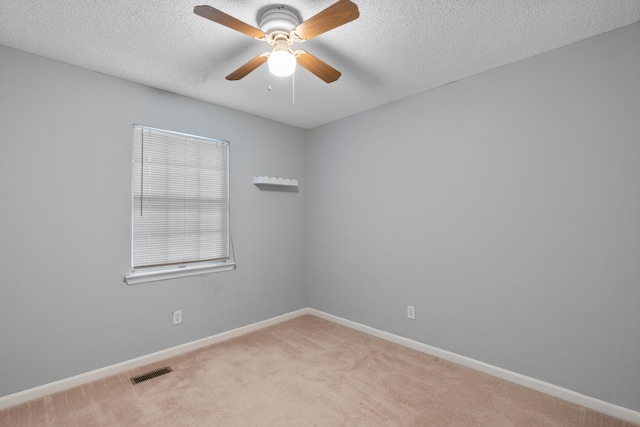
(332, 17)
(248, 67)
(229, 21)
(318, 67)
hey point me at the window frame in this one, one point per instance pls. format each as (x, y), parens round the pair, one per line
(190, 268)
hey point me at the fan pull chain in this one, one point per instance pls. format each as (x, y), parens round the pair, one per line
(293, 88)
(269, 81)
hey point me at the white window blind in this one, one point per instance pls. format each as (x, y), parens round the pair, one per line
(180, 209)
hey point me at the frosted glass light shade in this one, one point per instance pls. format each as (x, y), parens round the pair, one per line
(281, 63)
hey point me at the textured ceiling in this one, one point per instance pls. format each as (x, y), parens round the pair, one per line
(395, 49)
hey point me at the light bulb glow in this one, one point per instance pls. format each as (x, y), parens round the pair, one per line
(281, 63)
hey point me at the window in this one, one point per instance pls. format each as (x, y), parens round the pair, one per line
(180, 205)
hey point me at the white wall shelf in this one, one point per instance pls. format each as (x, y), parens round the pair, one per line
(280, 182)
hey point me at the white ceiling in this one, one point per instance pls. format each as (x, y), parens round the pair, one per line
(395, 49)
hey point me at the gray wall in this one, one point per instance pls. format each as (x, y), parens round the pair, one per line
(65, 189)
(505, 207)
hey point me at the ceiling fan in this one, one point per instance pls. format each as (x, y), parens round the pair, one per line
(282, 59)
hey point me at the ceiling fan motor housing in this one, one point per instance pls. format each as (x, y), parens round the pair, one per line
(278, 18)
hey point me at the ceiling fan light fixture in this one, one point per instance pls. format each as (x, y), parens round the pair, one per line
(281, 63)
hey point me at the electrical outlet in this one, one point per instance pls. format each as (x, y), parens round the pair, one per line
(411, 312)
(177, 317)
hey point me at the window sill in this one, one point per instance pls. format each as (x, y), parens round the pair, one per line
(140, 276)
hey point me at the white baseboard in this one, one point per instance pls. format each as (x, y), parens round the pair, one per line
(67, 383)
(532, 383)
(553, 390)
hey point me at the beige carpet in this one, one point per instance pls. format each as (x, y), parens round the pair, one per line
(304, 372)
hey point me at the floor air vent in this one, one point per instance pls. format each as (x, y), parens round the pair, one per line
(145, 377)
